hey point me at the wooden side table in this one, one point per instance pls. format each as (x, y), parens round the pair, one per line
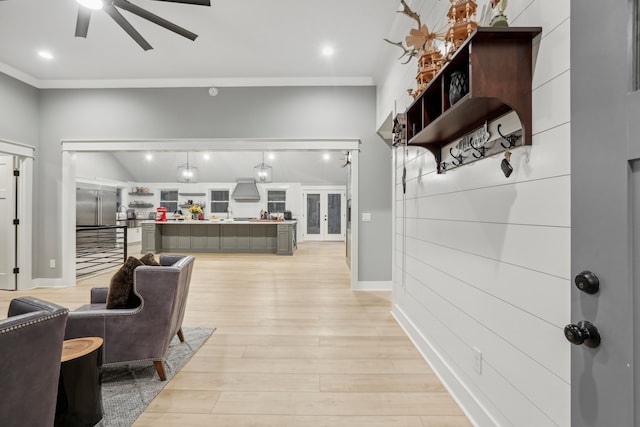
(79, 389)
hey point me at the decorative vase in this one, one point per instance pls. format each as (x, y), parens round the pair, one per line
(458, 86)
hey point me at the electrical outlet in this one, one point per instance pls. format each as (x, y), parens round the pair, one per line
(477, 360)
(52, 263)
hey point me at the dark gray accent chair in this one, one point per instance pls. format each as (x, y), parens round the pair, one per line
(142, 333)
(31, 342)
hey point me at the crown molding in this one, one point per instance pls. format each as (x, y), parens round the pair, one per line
(184, 82)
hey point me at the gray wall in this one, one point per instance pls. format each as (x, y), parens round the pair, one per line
(289, 112)
(19, 117)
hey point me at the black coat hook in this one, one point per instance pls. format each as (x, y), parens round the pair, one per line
(481, 151)
(458, 160)
(511, 139)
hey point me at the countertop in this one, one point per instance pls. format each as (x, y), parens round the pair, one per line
(218, 221)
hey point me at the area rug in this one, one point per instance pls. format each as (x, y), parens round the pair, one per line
(128, 389)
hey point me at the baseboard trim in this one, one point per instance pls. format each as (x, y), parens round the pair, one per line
(477, 414)
(372, 286)
(48, 283)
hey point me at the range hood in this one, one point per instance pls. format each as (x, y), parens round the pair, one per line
(246, 190)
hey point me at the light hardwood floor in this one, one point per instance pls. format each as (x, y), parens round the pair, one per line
(294, 346)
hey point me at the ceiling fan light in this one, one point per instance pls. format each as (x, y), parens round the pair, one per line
(91, 4)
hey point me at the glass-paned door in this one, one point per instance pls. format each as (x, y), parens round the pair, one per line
(312, 216)
(325, 215)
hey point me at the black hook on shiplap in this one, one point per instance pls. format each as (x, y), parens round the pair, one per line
(458, 160)
(511, 139)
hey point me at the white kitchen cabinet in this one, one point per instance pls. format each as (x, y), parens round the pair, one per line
(134, 235)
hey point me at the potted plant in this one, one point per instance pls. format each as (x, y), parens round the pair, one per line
(196, 211)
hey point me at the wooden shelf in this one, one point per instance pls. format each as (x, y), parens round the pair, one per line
(141, 194)
(140, 205)
(192, 194)
(499, 66)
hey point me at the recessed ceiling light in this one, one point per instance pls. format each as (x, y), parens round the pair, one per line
(91, 4)
(206, 156)
(45, 54)
(328, 51)
(326, 156)
(271, 156)
(149, 157)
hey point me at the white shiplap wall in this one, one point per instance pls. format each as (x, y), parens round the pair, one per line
(482, 262)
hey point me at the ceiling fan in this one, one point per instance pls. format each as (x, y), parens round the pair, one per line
(111, 8)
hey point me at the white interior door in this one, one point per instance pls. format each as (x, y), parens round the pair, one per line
(324, 215)
(7, 229)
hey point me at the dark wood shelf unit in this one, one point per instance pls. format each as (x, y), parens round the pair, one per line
(499, 66)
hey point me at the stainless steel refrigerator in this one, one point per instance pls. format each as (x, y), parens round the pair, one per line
(99, 244)
(95, 205)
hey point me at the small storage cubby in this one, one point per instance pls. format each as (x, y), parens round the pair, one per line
(432, 105)
(497, 64)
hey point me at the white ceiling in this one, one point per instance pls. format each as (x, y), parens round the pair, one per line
(306, 167)
(240, 43)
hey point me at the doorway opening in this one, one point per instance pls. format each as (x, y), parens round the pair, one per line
(70, 148)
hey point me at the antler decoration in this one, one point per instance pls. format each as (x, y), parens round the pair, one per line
(419, 44)
(416, 35)
(410, 13)
(411, 53)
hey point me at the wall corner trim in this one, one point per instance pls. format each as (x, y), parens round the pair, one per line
(473, 409)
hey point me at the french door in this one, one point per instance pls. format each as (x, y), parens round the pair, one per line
(324, 215)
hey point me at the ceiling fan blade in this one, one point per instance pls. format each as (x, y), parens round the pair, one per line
(126, 26)
(82, 23)
(194, 2)
(137, 10)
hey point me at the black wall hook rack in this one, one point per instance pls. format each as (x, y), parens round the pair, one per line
(478, 145)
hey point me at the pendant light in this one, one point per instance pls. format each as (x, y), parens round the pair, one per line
(187, 173)
(262, 171)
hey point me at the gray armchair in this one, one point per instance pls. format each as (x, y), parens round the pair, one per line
(31, 342)
(142, 333)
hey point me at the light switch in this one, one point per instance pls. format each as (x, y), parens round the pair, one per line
(366, 216)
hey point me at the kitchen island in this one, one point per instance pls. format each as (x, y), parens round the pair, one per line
(252, 236)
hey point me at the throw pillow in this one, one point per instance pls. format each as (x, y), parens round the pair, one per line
(148, 259)
(120, 293)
